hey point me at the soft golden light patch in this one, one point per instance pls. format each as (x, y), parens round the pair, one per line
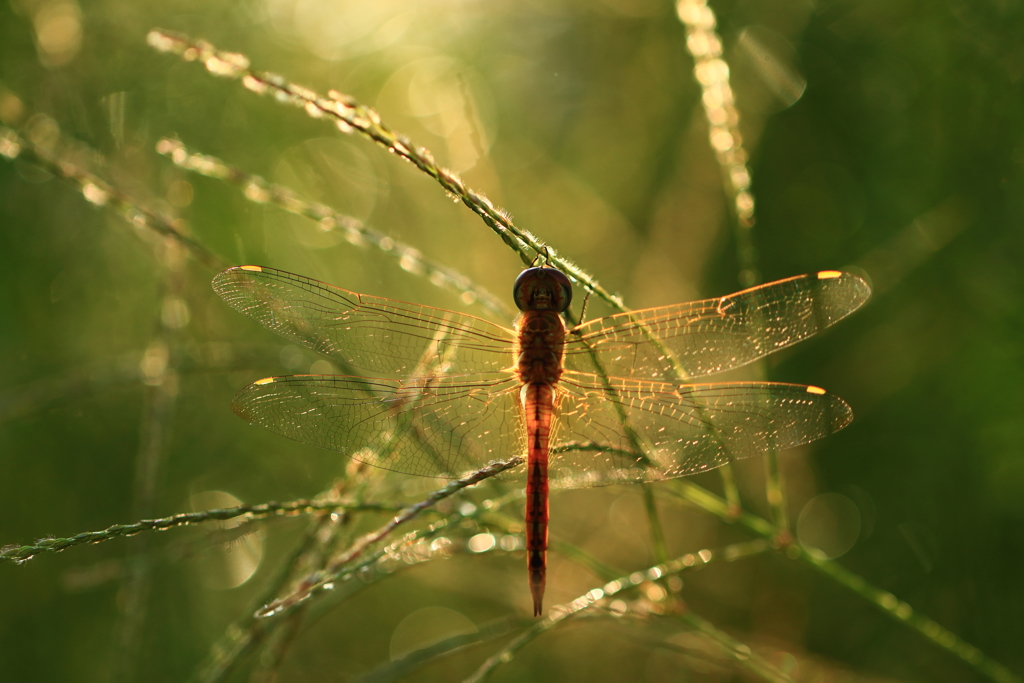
(829, 274)
(230, 557)
(270, 380)
(58, 32)
(816, 390)
(255, 269)
(829, 524)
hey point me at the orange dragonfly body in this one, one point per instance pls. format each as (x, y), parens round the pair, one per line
(608, 401)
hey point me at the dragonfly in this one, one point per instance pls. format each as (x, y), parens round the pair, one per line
(607, 401)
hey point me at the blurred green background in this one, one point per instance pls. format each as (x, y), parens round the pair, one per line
(884, 136)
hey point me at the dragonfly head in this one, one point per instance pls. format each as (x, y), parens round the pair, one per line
(542, 289)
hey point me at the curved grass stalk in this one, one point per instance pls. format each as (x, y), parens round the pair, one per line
(243, 637)
(740, 652)
(338, 566)
(258, 190)
(101, 193)
(595, 598)
(314, 551)
(351, 116)
(718, 102)
(903, 613)
(23, 553)
(888, 603)
(404, 666)
(330, 569)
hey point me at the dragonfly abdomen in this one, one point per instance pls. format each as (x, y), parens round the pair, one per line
(538, 409)
(541, 344)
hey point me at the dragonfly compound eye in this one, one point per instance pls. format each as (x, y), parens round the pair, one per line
(542, 289)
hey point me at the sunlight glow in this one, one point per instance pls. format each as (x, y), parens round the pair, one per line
(829, 523)
(58, 28)
(481, 543)
(231, 557)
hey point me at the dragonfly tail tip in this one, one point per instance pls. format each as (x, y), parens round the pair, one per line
(537, 592)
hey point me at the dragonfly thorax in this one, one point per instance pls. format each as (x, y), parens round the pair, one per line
(540, 347)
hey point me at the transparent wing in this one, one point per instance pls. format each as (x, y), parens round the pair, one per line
(369, 332)
(632, 430)
(435, 427)
(717, 334)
